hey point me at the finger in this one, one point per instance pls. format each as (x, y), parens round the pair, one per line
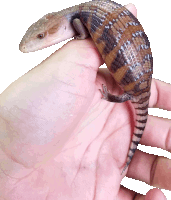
(157, 133)
(154, 194)
(146, 167)
(160, 95)
(151, 169)
(131, 7)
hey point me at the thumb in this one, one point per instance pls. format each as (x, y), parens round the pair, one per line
(44, 106)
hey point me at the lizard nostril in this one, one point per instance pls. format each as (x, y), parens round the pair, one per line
(22, 48)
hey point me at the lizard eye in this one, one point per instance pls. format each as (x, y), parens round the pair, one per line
(41, 35)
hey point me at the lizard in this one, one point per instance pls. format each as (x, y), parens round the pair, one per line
(122, 43)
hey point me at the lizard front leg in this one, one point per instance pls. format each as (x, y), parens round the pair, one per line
(80, 29)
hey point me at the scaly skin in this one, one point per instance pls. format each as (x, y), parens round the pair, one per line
(121, 41)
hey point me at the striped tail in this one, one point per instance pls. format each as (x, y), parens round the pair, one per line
(141, 114)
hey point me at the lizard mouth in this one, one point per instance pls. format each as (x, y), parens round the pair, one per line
(65, 31)
(34, 45)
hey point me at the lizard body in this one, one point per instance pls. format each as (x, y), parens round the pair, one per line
(121, 41)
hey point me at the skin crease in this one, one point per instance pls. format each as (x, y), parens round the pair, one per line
(60, 140)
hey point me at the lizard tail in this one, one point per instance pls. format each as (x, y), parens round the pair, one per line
(141, 114)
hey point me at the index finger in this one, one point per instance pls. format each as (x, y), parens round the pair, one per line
(160, 95)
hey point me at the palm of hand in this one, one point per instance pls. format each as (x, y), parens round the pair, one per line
(59, 139)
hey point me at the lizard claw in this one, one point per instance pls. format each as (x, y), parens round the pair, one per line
(104, 92)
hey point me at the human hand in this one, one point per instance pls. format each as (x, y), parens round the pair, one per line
(60, 140)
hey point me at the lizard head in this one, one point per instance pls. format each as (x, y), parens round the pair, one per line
(50, 29)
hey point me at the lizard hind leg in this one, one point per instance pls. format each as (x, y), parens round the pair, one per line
(114, 98)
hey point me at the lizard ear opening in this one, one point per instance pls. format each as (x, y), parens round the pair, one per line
(53, 29)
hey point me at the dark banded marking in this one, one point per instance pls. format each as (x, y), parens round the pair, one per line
(85, 17)
(135, 93)
(131, 75)
(110, 58)
(133, 150)
(119, 61)
(138, 64)
(145, 97)
(141, 101)
(130, 88)
(116, 4)
(142, 114)
(126, 20)
(142, 121)
(126, 50)
(142, 87)
(96, 22)
(108, 24)
(142, 108)
(133, 17)
(135, 142)
(130, 157)
(138, 135)
(108, 17)
(140, 91)
(107, 34)
(140, 128)
(146, 39)
(110, 41)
